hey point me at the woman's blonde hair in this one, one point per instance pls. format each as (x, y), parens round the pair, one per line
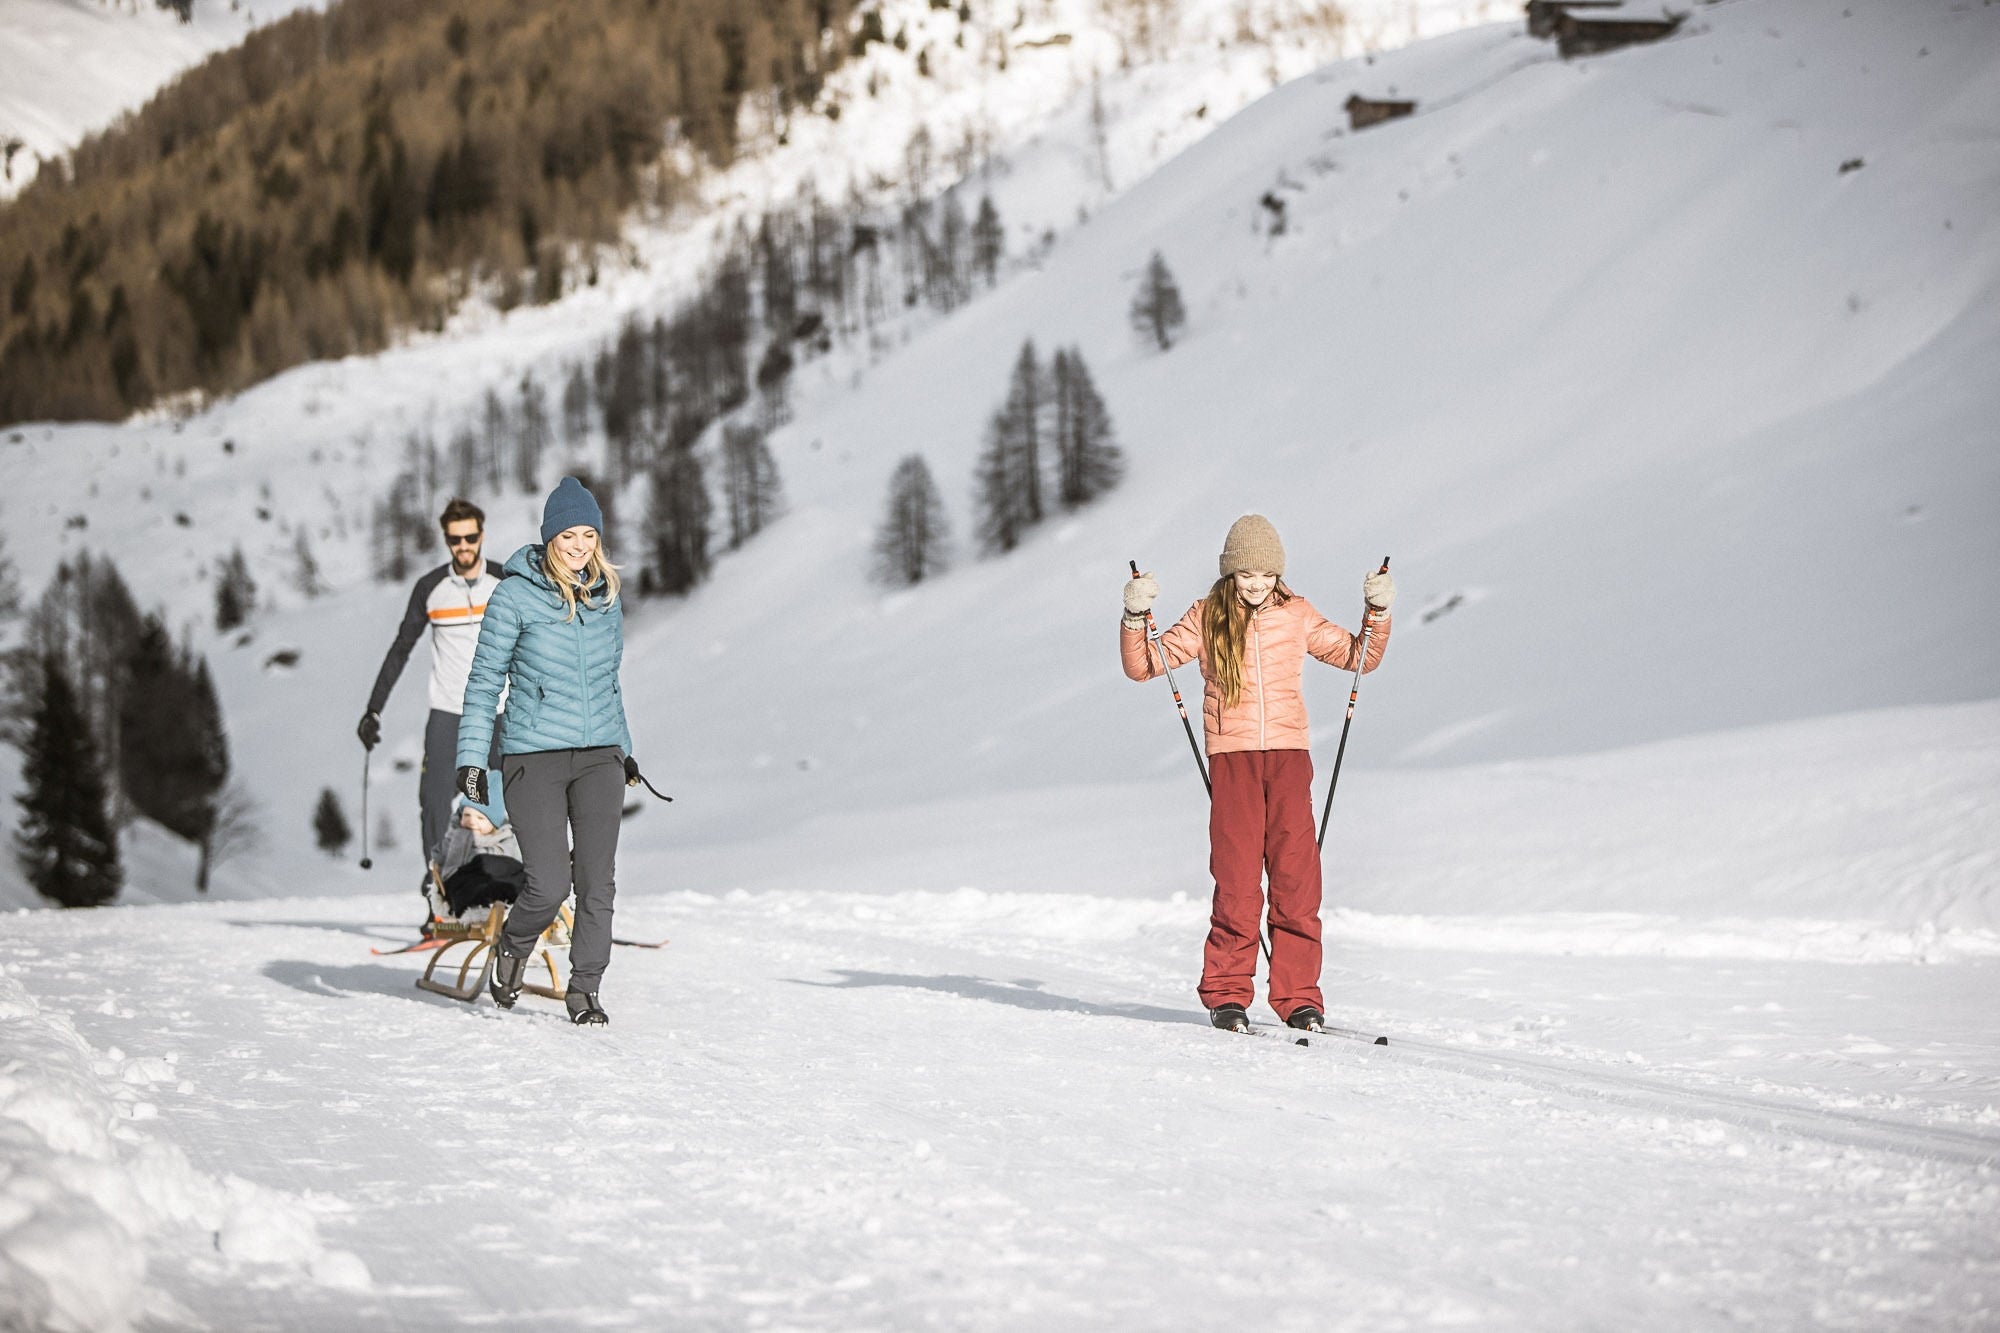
(1225, 626)
(579, 586)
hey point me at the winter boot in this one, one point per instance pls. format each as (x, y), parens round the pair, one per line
(1306, 1019)
(584, 1008)
(1230, 1017)
(509, 973)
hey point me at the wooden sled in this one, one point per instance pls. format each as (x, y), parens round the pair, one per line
(471, 947)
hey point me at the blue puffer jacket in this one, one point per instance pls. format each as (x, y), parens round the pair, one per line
(562, 674)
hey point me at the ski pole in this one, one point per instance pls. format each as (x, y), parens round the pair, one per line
(1153, 637)
(1367, 629)
(366, 863)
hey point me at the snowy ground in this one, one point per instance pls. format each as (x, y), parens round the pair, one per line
(1745, 1089)
(826, 1110)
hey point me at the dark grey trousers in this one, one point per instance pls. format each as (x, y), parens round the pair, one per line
(552, 797)
(437, 784)
(439, 779)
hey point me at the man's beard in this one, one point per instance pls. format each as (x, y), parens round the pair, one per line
(466, 564)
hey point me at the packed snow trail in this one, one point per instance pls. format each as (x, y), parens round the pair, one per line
(1822, 1123)
(833, 1110)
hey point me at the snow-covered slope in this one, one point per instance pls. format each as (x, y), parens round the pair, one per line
(1692, 424)
(70, 67)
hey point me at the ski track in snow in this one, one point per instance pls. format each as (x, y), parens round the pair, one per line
(823, 1110)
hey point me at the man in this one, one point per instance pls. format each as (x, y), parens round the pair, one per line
(451, 600)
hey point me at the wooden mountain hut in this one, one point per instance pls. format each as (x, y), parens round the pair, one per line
(1365, 111)
(1542, 14)
(1577, 36)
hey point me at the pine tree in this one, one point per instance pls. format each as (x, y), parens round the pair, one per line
(494, 439)
(678, 522)
(385, 546)
(175, 753)
(10, 587)
(1157, 312)
(1010, 467)
(781, 288)
(207, 766)
(659, 378)
(774, 373)
(86, 619)
(989, 241)
(307, 577)
(464, 461)
(914, 541)
(236, 591)
(330, 827)
(728, 309)
(625, 399)
(65, 844)
(1088, 463)
(749, 483)
(533, 437)
(424, 474)
(947, 260)
(576, 405)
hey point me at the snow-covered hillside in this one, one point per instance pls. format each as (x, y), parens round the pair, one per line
(1670, 423)
(311, 450)
(1679, 429)
(70, 67)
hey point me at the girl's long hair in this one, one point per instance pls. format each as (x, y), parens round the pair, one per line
(597, 574)
(1225, 626)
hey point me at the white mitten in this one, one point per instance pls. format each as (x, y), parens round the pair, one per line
(1379, 589)
(1140, 594)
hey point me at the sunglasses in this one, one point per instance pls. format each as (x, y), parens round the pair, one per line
(471, 540)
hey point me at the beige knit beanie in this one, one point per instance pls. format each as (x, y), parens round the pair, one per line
(1252, 544)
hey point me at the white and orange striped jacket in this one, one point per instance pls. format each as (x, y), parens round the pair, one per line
(452, 609)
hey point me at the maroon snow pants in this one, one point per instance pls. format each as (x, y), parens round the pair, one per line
(1260, 818)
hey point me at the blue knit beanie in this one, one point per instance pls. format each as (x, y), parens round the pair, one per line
(569, 506)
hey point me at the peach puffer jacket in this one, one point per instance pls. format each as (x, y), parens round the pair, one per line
(1271, 715)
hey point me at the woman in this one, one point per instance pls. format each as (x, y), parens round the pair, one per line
(554, 635)
(1253, 634)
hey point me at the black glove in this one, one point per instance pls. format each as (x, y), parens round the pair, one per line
(370, 730)
(472, 782)
(632, 778)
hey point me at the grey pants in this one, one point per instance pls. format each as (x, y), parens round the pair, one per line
(439, 780)
(437, 785)
(552, 795)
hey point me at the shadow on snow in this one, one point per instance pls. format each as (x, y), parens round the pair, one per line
(1020, 994)
(343, 981)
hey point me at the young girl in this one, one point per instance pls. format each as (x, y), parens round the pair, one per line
(554, 634)
(1253, 634)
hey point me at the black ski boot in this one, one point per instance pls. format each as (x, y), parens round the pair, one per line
(1230, 1017)
(509, 973)
(584, 1008)
(1306, 1019)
